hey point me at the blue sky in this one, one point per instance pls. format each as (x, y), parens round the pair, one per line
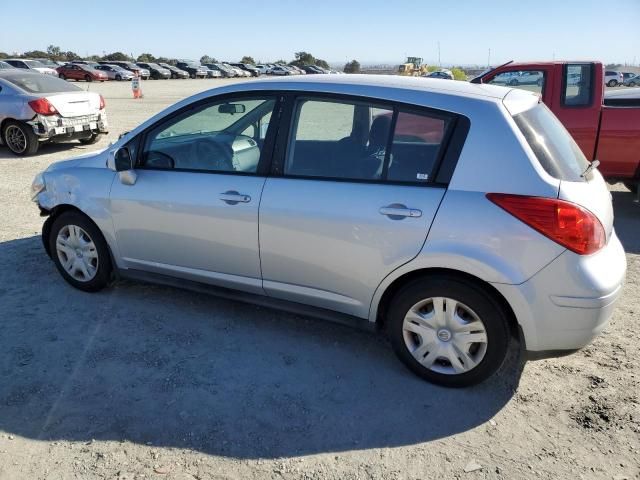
(335, 30)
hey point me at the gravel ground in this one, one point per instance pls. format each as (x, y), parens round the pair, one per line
(152, 382)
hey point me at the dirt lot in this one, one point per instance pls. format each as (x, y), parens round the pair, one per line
(152, 382)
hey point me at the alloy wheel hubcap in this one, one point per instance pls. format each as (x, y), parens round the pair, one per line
(77, 253)
(16, 139)
(444, 335)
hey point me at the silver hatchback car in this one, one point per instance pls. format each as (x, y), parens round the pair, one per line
(459, 218)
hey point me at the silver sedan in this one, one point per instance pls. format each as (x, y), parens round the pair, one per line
(114, 72)
(36, 108)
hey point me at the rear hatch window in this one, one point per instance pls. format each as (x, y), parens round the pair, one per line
(554, 147)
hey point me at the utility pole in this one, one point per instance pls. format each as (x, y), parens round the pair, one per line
(489, 59)
(439, 62)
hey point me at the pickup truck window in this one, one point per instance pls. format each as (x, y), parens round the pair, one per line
(532, 80)
(553, 146)
(577, 82)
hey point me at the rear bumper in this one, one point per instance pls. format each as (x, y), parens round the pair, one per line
(55, 126)
(570, 301)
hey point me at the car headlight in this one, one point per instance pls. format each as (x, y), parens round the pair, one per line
(37, 186)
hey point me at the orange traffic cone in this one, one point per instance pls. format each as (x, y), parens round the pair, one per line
(135, 86)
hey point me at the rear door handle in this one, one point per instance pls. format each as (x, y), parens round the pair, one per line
(398, 212)
(232, 197)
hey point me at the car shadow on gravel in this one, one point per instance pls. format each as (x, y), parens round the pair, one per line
(627, 220)
(162, 366)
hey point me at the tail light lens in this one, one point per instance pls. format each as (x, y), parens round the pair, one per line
(566, 223)
(102, 103)
(42, 106)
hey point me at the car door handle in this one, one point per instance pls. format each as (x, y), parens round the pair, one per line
(398, 211)
(232, 197)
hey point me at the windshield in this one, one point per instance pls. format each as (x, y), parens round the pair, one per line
(38, 83)
(554, 147)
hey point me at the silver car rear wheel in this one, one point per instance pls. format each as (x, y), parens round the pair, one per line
(16, 139)
(445, 335)
(77, 253)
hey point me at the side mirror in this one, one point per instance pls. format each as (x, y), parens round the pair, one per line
(122, 160)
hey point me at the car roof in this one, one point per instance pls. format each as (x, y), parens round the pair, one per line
(391, 82)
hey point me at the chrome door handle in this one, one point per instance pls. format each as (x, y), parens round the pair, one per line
(398, 212)
(232, 197)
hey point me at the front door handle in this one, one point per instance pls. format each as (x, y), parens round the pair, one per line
(232, 197)
(398, 211)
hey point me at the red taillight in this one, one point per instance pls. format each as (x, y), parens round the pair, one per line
(42, 107)
(102, 104)
(566, 223)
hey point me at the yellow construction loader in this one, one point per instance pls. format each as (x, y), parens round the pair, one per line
(413, 67)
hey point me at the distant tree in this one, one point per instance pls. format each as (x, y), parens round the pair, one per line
(54, 52)
(458, 73)
(93, 58)
(4, 55)
(432, 68)
(280, 62)
(36, 54)
(303, 58)
(247, 59)
(69, 56)
(146, 57)
(322, 64)
(116, 57)
(207, 59)
(612, 66)
(352, 67)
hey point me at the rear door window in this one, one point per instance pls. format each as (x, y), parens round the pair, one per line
(553, 146)
(416, 147)
(577, 85)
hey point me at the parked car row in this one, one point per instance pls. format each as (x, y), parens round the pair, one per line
(123, 70)
(614, 79)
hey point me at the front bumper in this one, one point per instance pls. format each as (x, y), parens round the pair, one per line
(52, 126)
(570, 301)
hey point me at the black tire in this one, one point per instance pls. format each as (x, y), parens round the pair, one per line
(118, 78)
(633, 187)
(90, 140)
(20, 138)
(612, 83)
(485, 306)
(104, 269)
(62, 76)
(88, 78)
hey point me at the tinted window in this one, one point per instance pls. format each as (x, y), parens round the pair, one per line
(532, 80)
(36, 83)
(556, 151)
(338, 139)
(416, 148)
(214, 138)
(577, 85)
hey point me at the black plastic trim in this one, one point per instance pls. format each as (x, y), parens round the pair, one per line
(255, 299)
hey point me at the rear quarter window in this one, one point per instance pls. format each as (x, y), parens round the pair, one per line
(552, 145)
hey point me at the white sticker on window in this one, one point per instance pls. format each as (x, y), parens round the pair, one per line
(422, 176)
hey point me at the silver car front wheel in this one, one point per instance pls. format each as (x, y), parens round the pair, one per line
(77, 253)
(445, 335)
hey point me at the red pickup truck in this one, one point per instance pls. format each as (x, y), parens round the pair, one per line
(605, 126)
